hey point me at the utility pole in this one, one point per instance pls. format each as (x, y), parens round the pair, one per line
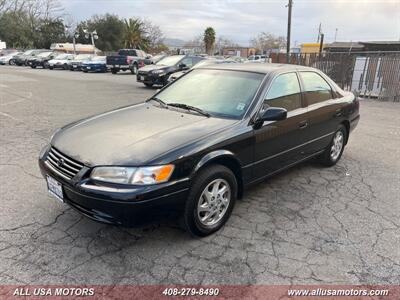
(321, 45)
(290, 4)
(336, 30)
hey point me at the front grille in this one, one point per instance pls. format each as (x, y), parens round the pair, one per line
(62, 164)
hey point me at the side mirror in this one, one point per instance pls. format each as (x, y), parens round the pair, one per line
(274, 114)
(182, 66)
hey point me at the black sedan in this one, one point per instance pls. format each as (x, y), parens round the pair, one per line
(198, 143)
(157, 74)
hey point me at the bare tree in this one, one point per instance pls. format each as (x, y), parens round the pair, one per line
(267, 41)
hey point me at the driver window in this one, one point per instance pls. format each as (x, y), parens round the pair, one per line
(187, 61)
(284, 92)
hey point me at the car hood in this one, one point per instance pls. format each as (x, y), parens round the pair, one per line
(134, 135)
(54, 61)
(148, 68)
(89, 62)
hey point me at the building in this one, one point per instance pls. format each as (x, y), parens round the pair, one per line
(344, 47)
(79, 48)
(381, 46)
(238, 51)
(3, 45)
(309, 47)
(363, 46)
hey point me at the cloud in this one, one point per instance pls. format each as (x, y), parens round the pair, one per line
(241, 20)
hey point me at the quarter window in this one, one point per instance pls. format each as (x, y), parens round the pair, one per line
(316, 89)
(284, 92)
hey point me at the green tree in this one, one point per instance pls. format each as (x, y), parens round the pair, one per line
(110, 30)
(209, 39)
(135, 35)
(51, 31)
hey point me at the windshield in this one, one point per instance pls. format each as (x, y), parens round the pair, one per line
(222, 93)
(82, 56)
(29, 52)
(44, 54)
(62, 56)
(170, 60)
(99, 58)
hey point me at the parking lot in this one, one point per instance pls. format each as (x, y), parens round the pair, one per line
(308, 225)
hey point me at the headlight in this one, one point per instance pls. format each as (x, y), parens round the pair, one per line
(130, 175)
(158, 72)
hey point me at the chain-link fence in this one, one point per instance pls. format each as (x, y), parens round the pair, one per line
(369, 74)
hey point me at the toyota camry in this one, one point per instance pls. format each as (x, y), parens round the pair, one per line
(197, 144)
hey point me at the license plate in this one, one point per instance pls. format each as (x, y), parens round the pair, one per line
(141, 78)
(55, 188)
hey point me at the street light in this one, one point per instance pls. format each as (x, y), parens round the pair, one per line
(76, 35)
(93, 35)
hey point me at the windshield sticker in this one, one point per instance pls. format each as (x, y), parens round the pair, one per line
(240, 106)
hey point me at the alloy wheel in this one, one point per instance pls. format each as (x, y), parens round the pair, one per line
(337, 145)
(214, 202)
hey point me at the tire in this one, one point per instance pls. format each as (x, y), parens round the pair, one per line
(334, 151)
(65, 66)
(196, 222)
(114, 71)
(84, 71)
(51, 68)
(11, 62)
(148, 84)
(134, 69)
(33, 67)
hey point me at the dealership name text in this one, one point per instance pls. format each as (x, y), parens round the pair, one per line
(53, 292)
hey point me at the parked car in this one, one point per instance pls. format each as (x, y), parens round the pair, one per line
(158, 74)
(198, 143)
(127, 59)
(41, 60)
(61, 61)
(76, 63)
(153, 59)
(205, 62)
(256, 57)
(21, 60)
(96, 64)
(8, 59)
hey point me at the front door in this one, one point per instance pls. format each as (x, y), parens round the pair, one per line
(280, 143)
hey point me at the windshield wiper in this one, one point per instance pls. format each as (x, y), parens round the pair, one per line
(189, 107)
(158, 100)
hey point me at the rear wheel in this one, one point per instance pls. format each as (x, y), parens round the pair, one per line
(148, 84)
(134, 69)
(334, 151)
(11, 62)
(114, 71)
(51, 68)
(211, 200)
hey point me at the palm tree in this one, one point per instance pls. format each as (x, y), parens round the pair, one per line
(135, 35)
(209, 39)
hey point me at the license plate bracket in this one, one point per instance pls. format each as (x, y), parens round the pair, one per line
(55, 188)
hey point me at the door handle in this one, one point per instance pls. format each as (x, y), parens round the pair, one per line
(303, 124)
(338, 112)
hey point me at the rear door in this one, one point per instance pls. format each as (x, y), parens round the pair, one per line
(322, 108)
(280, 143)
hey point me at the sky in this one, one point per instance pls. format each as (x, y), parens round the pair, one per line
(240, 20)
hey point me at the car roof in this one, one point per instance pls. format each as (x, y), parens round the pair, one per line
(264, 68)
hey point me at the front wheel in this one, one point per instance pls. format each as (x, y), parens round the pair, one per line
(148, 84)
(334, 151)
(211, 200)
(11, 62)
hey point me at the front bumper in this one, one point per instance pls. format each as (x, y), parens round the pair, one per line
(126, 206)
(151, 79)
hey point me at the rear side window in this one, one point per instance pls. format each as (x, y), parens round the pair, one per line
(316, 89)
(284, 92)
